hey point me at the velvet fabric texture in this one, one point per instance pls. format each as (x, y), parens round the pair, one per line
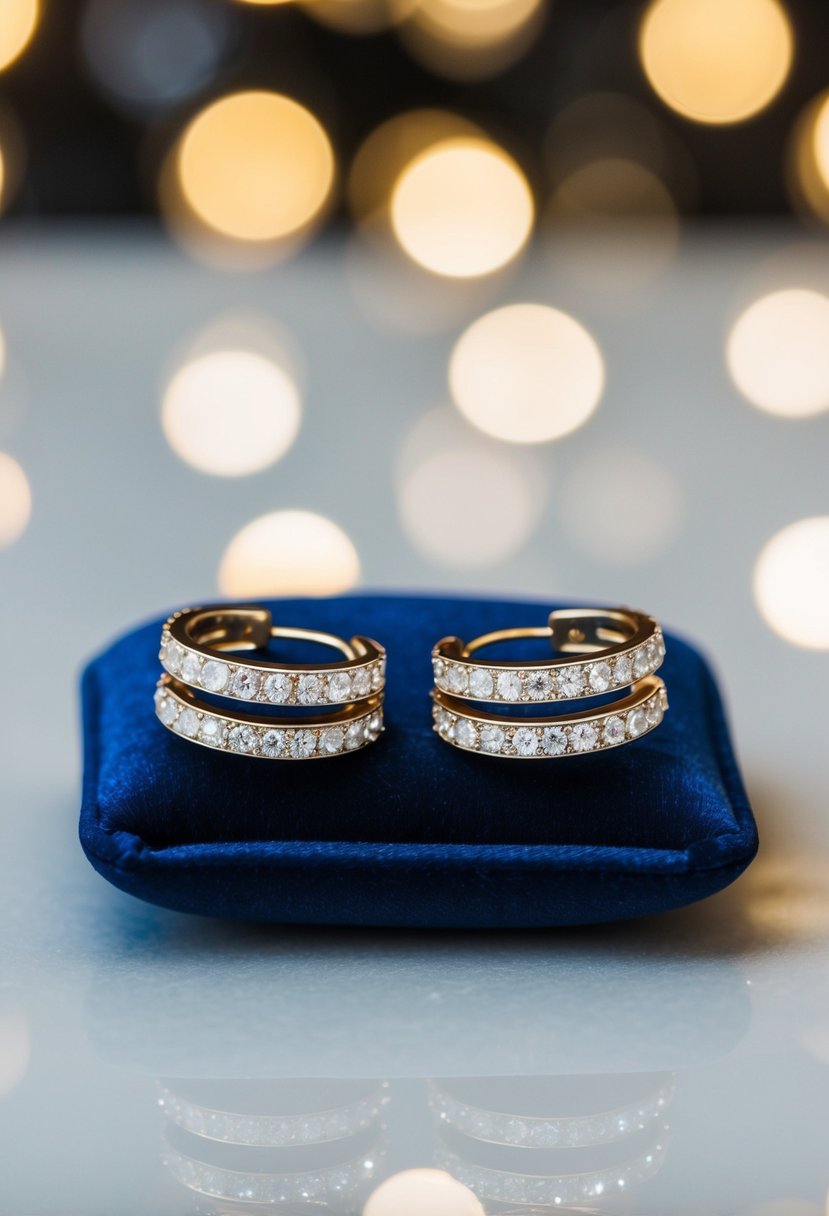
(410, 831)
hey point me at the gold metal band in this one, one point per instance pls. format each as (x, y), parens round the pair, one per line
(519, 738)
(267, 738)
(619, 645)
(194, 643)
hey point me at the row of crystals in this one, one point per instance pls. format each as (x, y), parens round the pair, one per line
(565, 682)
(320, 1185)
(272, 743)
(271, 1131)
(551, 1191)
(572, 1131)
(547, 741)
(277, 688)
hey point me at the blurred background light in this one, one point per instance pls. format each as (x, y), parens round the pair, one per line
(15, 501)
(357, 17)
(526, 373)
(18, 21)
(778, 353)
(807, 159)
(289, 553)
(231, 412)
(462, 208)
(147, 54)
(588, 503)
(255, 167)
(791, 583)
(386, 152)
(15, 1049)
(716, 61)
(422, 1192)
(465, 500)
(472, 40)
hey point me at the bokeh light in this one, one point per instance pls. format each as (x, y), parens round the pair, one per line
(469, 508)
(590, 493)
(18, 21)
(807, 159)
(462, 208)
(422, 1192)
(471, 39)
(150, 53)
(357, 17)
(791, 583)
(526, 373)
(231, 412)
(15, 501)
(255, 167)
(716, 61)
(289, 553)
(778, 353)
(15, 1049)
(385, 153)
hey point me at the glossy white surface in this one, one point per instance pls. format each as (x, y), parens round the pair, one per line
(100, 996)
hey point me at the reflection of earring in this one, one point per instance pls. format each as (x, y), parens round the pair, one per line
(551, 1131)
(194, 654)
(616, 1139)
(274, 1131)
(248, 1154)
(620, 648)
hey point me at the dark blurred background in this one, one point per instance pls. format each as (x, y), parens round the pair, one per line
(101, 88)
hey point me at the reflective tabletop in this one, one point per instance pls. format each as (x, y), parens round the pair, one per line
(154, 1061)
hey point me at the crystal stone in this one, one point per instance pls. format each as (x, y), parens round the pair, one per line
(570, 681)
(583, 737)
(242, 739)
(245, 683)
(279, 688)
(509, 685)
(173, 654)
(641, 662)
(653, 711)
(187, 723)
(165, 707)
(492, 739)
(273, 743)
(376, 676)
(339, 686)
(212, 731)
(637, 723)
(554, 741)
(361, 682)
(309, 689)
(303, 744)
(600, 676)
(457, 680)
(538, 685)
(481, 683)
(623, 670)
(190, 668)
(465, 733)
(355, 736)
(332, 740)
(614, 730)
(525, 741)
(214, 675)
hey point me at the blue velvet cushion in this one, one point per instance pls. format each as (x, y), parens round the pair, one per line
(410, 831)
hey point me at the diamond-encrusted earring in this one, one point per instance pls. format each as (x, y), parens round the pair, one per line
(194, 655)
(619, 649)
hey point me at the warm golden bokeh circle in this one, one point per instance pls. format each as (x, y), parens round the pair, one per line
(791, 583)
(526, 373)
(778, 353)
(18, 21)
(255, 166)
(716, 61)
(289, 553)
(462, 208)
